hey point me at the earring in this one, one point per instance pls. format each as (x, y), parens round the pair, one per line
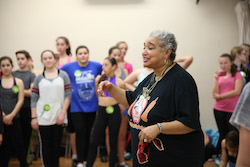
(166, 61)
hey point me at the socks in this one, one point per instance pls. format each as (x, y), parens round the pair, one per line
(74, 156)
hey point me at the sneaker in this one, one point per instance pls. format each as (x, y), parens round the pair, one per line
(80, 165)
(123, 164)
(34, 156)
(127, 156)
(103, 158)
(74, 163)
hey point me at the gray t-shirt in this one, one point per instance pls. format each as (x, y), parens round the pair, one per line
(48, 97)
(9, 98)
(241, 115)
(28, 78)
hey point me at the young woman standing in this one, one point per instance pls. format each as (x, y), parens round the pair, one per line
(124, 64)
(63, 53)
(11, 100)
(64, 56)
(240, 60)
(108, 114)
(122, 72)
(226, 91)
(84, 100)
(50, 100)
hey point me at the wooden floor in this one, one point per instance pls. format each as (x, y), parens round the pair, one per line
(67, 162)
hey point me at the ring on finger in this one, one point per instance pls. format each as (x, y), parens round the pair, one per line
(145, 140)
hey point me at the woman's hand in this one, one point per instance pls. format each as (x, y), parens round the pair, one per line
(34, 124)
(217, 96)
(57, 54)
(60, 119)
(103, 86)
(7, 119)
(149, 133)
(216, 74)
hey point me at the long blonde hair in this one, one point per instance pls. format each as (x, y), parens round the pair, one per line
(237, 50)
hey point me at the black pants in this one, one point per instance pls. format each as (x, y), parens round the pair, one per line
(222, 121)
(209, 151)
(50, 139)
(82, 123)
(70, 127)
(12, 140)
(25, 119)
(102, 145)
(103, 120)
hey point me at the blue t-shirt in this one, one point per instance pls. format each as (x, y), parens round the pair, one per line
(82, 80)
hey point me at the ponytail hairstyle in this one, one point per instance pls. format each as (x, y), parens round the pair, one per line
(6, 58)
(113, 62)
(68, 51)
(237, 50)
(233, 66)
(113, 48)
(44, 52)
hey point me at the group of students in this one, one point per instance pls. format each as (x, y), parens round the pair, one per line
(227, 89)
(41, 102)
(65, 93)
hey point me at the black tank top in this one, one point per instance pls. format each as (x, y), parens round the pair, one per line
(231, 158)
(8, 97)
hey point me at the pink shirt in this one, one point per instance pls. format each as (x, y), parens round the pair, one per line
(128, 67)
(226, 85)
(68, 61)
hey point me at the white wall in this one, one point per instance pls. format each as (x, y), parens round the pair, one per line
(203, 31)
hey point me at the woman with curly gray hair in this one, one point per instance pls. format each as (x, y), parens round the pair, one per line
(163, 109)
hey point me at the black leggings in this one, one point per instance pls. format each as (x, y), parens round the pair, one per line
(12, 139)
(25, 119)
(222, 121)
(82, 123)
(103, 120)
(50, 139)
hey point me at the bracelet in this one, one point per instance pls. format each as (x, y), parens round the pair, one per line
(33, 117)
(160, 127)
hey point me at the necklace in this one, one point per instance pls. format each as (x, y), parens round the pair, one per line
(147, 90)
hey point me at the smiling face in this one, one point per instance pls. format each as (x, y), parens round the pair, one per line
(116, 53)
(82, 56)
(225, 64)
(48, 59)
(22, 60)
(153, 55)
(124, 48)
(6, 67)
(61, 46)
